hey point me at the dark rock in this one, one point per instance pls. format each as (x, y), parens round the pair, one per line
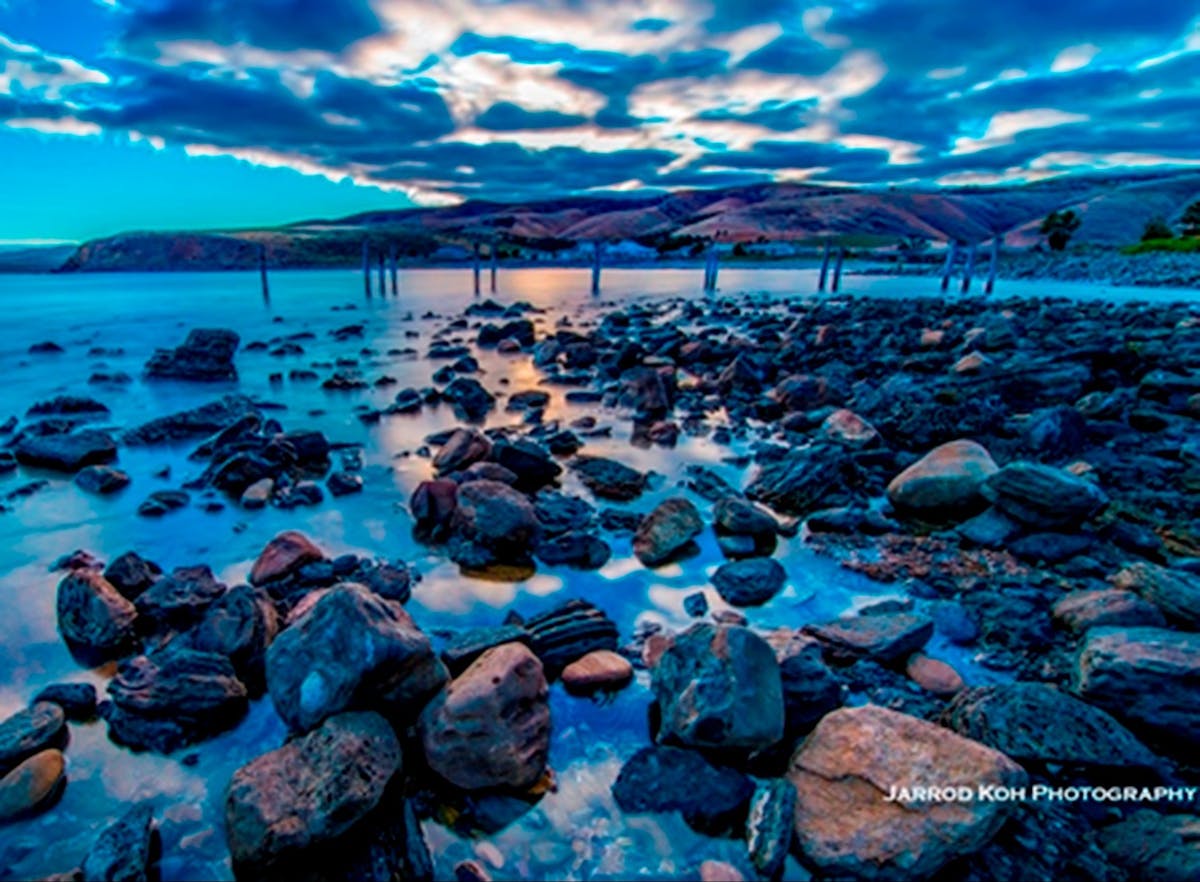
(810, 689)
(1043, 497)
(463, 448)
(102, 479)
(78, 700)
(532, 464)
(663, 779)
(344, 484)
(696, 605)
(1149, 845)
(433, 504)
(162, 502)
(1056, 431)
(180, 599)
(801, 481)
(585, 551)
(663, 534)
(350, 650)
(240, 625)
(1050, 548)
(884, 637)
(1175, 592)
(92, 615)
(172, 698)
(466, 646)
(69, 405)
(284, 556)
(990, 528)
(196, 423)
(568, 632)
(749, 582)
(559, 513)
(609, 479)
(493, 523)
(955, 623)
(471, 402)
(47, 347)
(127, 850)
(131, 574)
(205, 356)
(769, 826)
(66, 452)
(39, 727)
(720, 687)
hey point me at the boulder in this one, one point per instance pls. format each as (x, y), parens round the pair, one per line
(32, 730)
(32, 786)
(126, 850)
(206, 356)
(131, 574)
(310, 791)
(856, 759)
(493, 523)
(1081, 610)
(719, 686)
(240, 625)
(944, 482)
(66, 452)
(284, 556)
(180, 599)
(490, 728)
(531, 463)
(349, 650)
(102, 480)
(665, 531)
(884, 637)
(749, 582)
(568, 632)
(609, 479)
(173, 697)
(1175, 592)
(664, 779)
(92, 615)
(464, 447)
(1144, 676)
(1043, 497)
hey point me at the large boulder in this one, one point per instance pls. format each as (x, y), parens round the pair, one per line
(283, 556)
(493, 524)
(848, 774)
(1175, 592)
(666, 531)
(945, 481)
(719, 686)
(240, 626)
(1146, 677)
(351, 649)
(66, 452)
(312, 790)
(490, 728)
(92, 615)
(1043, 497)
(206, 356)
(173, 697)
(180, 599)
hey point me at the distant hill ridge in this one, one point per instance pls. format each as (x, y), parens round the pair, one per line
(1114, 209)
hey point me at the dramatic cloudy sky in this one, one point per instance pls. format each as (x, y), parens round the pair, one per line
(119, 114)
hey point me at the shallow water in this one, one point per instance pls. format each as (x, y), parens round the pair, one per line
(576, 832)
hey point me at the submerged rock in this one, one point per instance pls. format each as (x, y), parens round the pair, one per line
(491, 726)
(663, 779)
(206, 356)
(127, 850)
(847, 768)
(66, 452)
(310, 791)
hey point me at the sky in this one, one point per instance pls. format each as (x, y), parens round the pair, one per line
(159, 114)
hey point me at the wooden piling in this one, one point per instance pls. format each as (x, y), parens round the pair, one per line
(713, 265)
(824, 267)
(966, 282)
(366, 262)
(951, 257)
(262, 272)
(994, 267)
(395, 269)
(597, 260)
(837, 269)
(382, 275)
(476, 269)
(495, 261)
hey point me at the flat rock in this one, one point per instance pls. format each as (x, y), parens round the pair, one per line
(32, 730)
(1175, 592)
(1043, 497)
(66, 452)
(844, 772)
(596, 671)
(609, 479)
(32, 786)
(1081, 610)
(884, 637)
(102, 479)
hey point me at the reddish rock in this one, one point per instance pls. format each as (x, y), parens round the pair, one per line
(946, 480)
(602, 669)
(283, 556)
(933, 675)
(1081, 610)
(32, 786)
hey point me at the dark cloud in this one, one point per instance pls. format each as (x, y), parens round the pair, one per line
(792, 54)
(508, 117)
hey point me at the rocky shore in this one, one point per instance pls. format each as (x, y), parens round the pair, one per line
(1023, 475)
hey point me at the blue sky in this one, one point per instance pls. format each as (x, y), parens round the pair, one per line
(150, 114)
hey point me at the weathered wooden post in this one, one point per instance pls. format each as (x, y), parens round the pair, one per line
(713, 264)
(476, 269)
(994, 267)
(382, 275)
(951, 256)
(837, 268)
(597, 258)
(966, 282)
(394, 266)
(262, 272)
(495, 260)
(824, 267)
(366, 261)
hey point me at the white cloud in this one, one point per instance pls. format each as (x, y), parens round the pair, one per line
(1004, 127)
(63, 126)
(1074, 58)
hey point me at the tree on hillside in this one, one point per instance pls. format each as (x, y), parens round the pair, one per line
(910, 247)
(1059, 227)
(1191, 220)
(1157, 228)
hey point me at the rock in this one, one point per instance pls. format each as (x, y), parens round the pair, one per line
(102, 479)
(206, 356)
(769, 826)
(463, 447)
(92, 615)
(1145, 677)
(284, 556)
(66, 452)
(32, 786)
(749, 582)
(810, 690)
(344, 484)
(180, 599)
(1175, 592)
(312, 790)
(1043, 497)
(802, 392)
(568, 632)
(1056, 431)
(471, 402)
(1081, 610)
(719, 686)
(196, 423)
(126, 850)
(585, 551)
(846, 427)
(801, 480)
(432, 505)
(68, 405)
(163, 502)
(240, 625)
(696, 605)
(1035, 724)
(131, 574)
(46, 347)
(471, 871)
(532, 464)
(30, 731)
(666, 530)
(740, 517)
(172, 698)
(559, 513)
(665, 779)
(78, 700)
(886, 637)
(351, 650)
(493, 523)
(609, 479)
(719, 871)
(600, 670)
(847, 768)
(490, 728)
(944, 482)
(466, 646)
(1149, 845)
(258, 494)
(933, 675)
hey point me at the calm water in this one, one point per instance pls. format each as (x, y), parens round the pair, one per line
(576, 832)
